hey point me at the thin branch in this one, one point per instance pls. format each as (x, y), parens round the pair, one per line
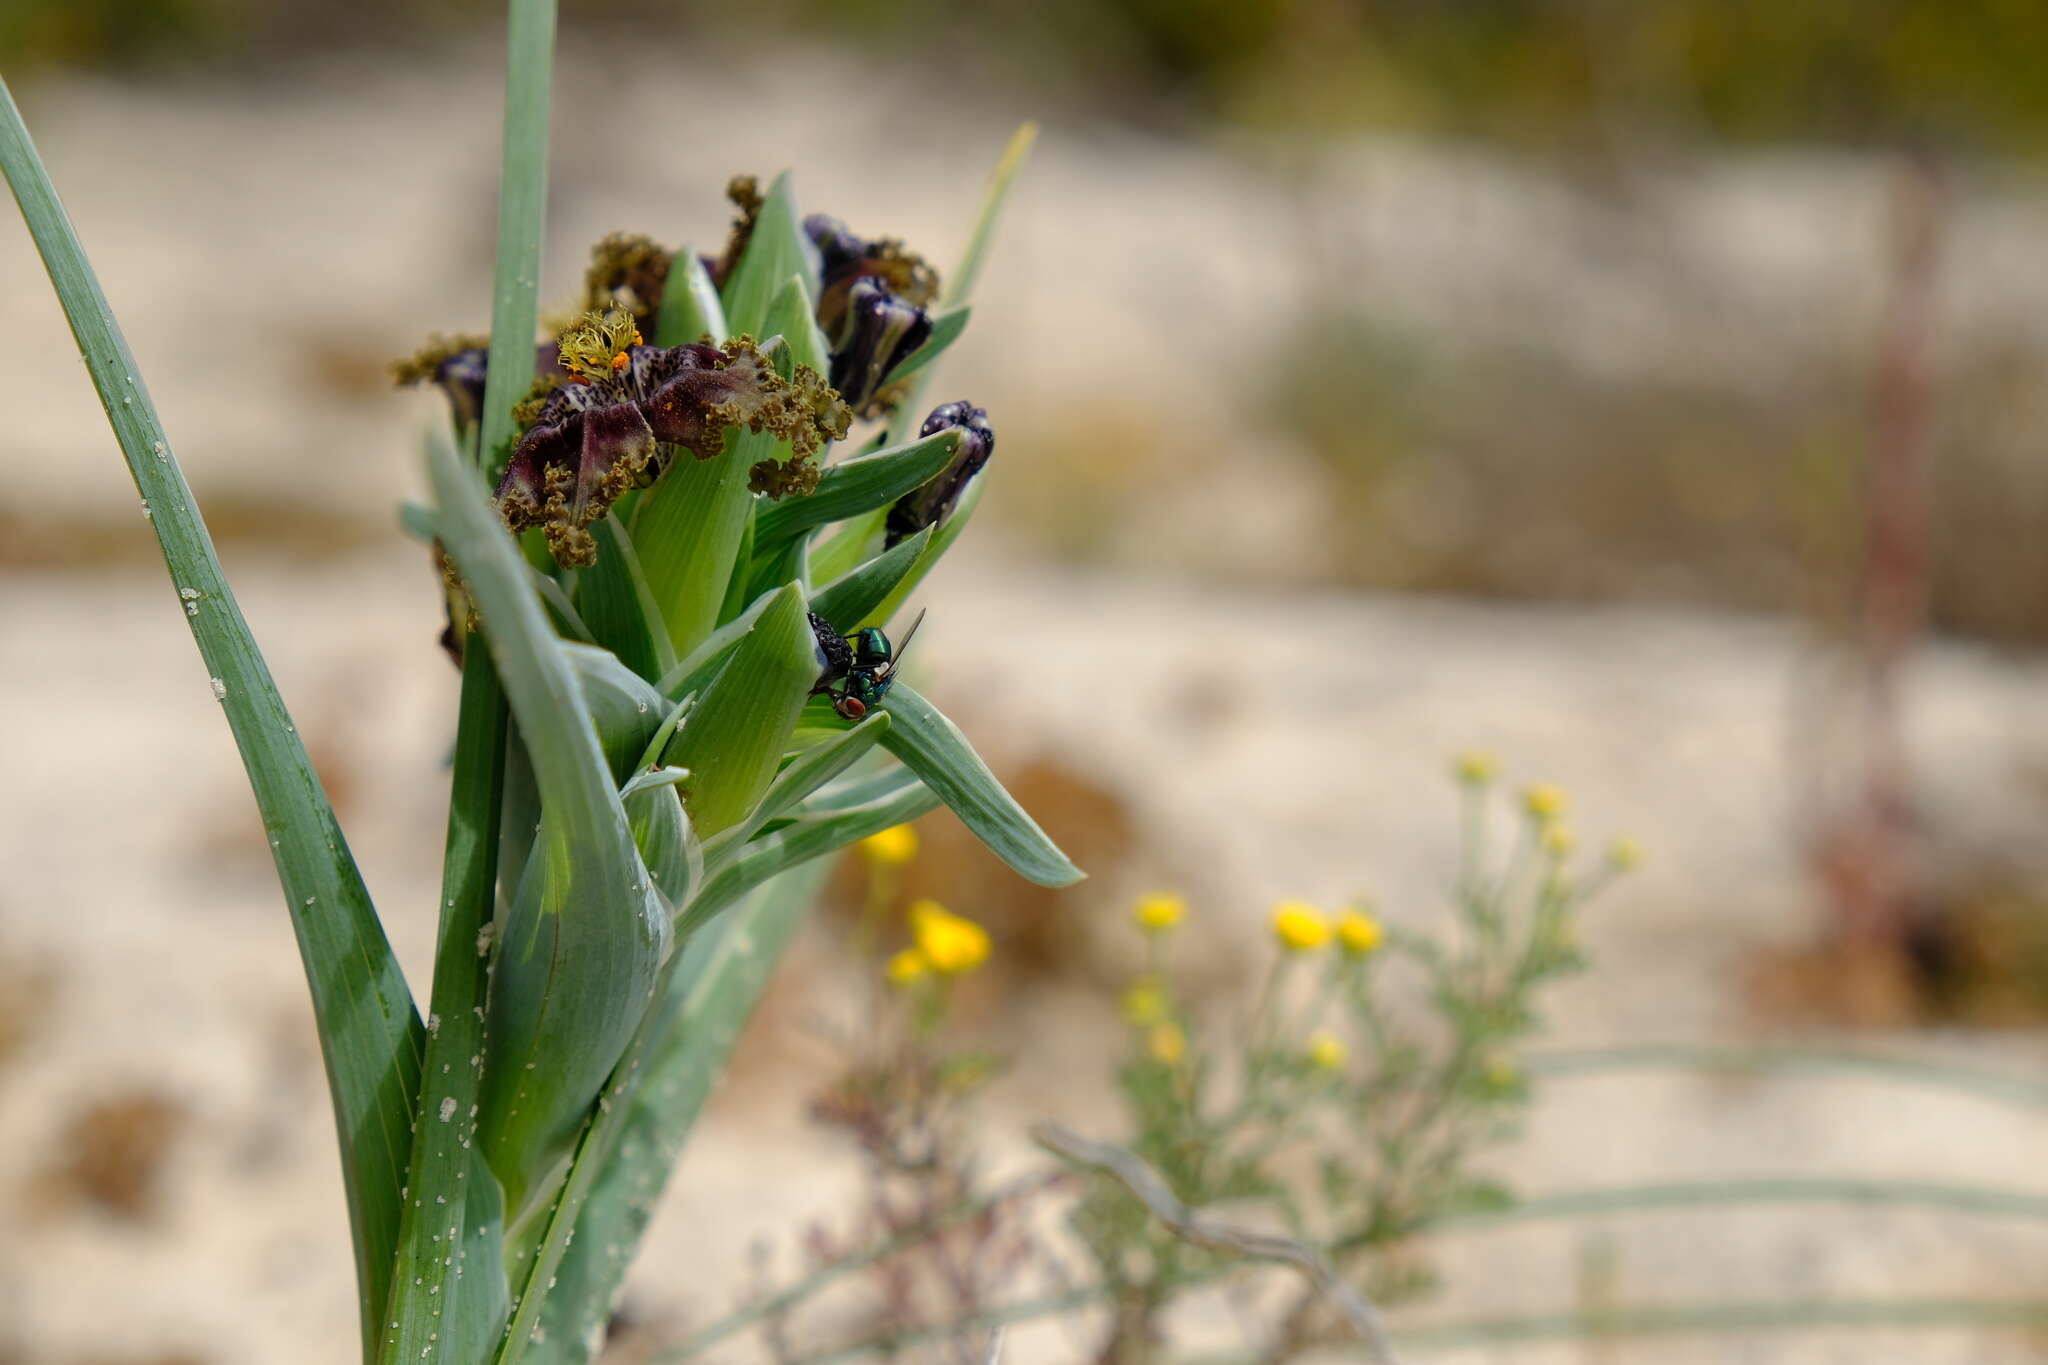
(1151, 1189)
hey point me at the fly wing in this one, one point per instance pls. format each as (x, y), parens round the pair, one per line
(896, 657)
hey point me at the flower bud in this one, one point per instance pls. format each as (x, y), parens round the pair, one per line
(931, 503)
(879, 332)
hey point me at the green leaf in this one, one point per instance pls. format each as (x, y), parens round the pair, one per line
(663, 835)
(623, 707)
(933, 747)
(794, 317)
(776, 250)
(718, 981)
(859, 485)
(943, 536)
(449, 1298)
(789, 564)
(947, 325)
(688, 529)
(694, 673)
(619, 605)
(804, 774)
(370, 1034)
(856, 595)
(581, 941)
(810, 835)
(734, 738)
(690, 310)
(522, 207)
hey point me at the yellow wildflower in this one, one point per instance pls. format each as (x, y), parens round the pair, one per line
(1500, 1075)
(1167, 1044)
(907, 967)
(1159, 912)
(1326, 1051)
(1358, 933)
(1545, 800)
(1625, 853)
(1559, 841)
(1146, 1002)
(950, 943)
(1300, 927)
(1476, 768)
(893, 847)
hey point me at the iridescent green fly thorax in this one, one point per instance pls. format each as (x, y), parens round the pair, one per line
(859, 668)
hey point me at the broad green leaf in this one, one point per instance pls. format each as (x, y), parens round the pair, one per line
(623, 707)
(809, 770)
(581, 941)
(794, 317)
(810, 835)
(616, 600)
(663, 835)
(694, 674)
(690, 310)
(862, 484)
(947, 325)
(736, 584)
(777, 250)
(856, 595)
(370, 1034)
(449, 1298)
(789, 564)
(733, 739)
(719, 979)
(688, 529)
(933, 747)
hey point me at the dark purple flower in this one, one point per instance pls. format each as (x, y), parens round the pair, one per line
(878, 332)
(931, 503)
(627, 405)
(844, 257)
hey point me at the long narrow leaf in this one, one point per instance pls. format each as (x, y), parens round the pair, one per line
(369, 1031)
(735, 736)
(801, 776)
(803, 839)
(582, 940)
(858, 485)
(522, 207)
(856, 595)
(777, 250)
(933, 747)
(448, 1296)
(720, 979)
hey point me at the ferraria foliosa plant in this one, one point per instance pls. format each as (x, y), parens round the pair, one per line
(675, 532)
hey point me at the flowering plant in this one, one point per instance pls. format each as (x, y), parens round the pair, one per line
(668, 599)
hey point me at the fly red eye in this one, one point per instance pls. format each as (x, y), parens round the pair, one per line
(853, 708)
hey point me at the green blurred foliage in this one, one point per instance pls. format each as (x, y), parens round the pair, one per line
(1557, 72)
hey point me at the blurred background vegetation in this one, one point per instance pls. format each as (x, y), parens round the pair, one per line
(1534, 73)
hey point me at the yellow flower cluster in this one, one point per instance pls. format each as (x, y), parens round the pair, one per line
(1146, 1002)
(951, 943)
(1476, 768)
(1159, 912)
(1358, 933)
(1300, 927)
(1326, 1051)
(942, 944)
(893, 847)
(1545, 801)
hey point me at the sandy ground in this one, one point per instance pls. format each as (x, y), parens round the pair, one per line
(267, 246)
(138, 889)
